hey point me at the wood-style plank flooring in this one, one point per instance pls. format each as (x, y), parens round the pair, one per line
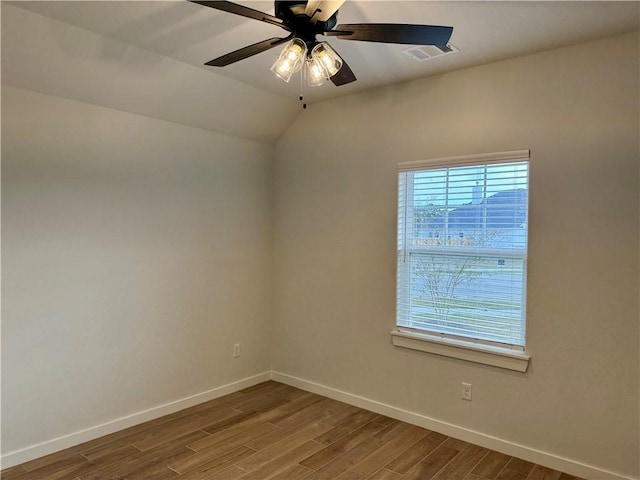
(274, 431)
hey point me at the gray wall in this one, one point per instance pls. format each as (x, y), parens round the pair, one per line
(135, 253)
(336, 195)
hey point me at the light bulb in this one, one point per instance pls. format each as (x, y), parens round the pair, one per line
(290, 60)
(294, 52)
(316, 75)
(284, 67)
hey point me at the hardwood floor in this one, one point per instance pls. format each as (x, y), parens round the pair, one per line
(274, 431)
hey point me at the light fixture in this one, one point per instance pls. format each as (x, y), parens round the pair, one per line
(327, 58)
(321, 63)
(290, 60)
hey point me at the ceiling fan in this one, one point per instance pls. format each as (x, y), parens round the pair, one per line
(304, 20)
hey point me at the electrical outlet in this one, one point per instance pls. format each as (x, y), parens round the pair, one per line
(466, 391)
(236, 350)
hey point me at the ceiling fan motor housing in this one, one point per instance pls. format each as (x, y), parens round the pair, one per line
(294, 16)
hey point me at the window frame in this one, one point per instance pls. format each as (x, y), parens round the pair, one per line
(512, 357)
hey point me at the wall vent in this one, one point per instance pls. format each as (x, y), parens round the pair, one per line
(426, 52)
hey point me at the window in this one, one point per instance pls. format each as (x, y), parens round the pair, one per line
(462, 251)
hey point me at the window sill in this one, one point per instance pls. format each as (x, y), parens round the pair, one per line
(472, 352)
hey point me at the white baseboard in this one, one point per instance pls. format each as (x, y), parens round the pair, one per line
(54, 445)
(546, 459)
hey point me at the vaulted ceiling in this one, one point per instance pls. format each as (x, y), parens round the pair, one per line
(148, 57)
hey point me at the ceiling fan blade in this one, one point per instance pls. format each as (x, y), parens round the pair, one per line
(242, 11)
(393, 33)
(323, 9)
(246, 52)
(344, 75)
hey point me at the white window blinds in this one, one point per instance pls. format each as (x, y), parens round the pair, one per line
(462, 247)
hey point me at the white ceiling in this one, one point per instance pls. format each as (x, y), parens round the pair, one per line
(483, 31)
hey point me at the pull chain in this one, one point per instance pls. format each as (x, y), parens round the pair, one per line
(302, 82)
